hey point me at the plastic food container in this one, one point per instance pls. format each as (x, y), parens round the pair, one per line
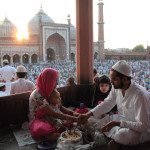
(71, 136)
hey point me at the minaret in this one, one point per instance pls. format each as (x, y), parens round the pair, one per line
(101, 30)
(40, 38)
(69, 23)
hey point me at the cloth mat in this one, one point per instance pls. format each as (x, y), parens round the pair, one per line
(23, 137)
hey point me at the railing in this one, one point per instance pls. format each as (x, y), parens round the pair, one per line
(14, 108)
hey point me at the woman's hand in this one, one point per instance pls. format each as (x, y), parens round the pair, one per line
(109, 126)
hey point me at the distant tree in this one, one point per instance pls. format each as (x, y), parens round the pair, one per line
(139, 48)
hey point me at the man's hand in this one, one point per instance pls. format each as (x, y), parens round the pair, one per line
(84, 117)
(109, 126)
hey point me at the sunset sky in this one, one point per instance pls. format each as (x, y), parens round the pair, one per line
(127, 22)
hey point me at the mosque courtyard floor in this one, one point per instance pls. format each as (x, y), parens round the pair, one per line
(8, 142)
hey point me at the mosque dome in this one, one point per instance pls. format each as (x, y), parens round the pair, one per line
(7, 29)
(72, 32)
(33, 26)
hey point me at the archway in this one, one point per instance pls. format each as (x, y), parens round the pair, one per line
(72, 57)
(25, 58)
(50, 55)
(6, 57)
(57, 43)
(16, 58)
(34, 58)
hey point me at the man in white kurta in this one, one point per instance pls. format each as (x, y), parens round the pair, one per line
(21, 84)
(7, 74)
(134, 114)
(133, 103)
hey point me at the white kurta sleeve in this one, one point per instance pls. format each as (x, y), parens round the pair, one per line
(105, 106)
(141, 122)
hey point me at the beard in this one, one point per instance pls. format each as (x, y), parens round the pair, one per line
(120, 86)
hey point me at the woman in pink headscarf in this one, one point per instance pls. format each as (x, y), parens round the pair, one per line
(44, 120)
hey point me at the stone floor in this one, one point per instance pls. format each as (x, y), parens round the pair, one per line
(8, 142)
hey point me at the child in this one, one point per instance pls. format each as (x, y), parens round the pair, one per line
(102, 89)
(55, 104)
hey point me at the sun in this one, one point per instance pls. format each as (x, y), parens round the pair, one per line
(22, 34)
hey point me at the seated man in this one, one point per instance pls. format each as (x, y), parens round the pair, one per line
(71, 81)
(133, 102)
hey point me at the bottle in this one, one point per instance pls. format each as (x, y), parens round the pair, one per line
(81, 105)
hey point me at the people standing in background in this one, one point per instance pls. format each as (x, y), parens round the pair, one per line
(71, 81)
(21, 84)
(7, 74)
(95, 74)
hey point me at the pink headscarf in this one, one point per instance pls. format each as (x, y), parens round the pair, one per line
(46, 82)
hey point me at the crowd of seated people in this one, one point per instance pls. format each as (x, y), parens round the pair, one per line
(106, 97)
(67, 69)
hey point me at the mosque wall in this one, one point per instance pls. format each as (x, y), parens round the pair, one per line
(47, 41)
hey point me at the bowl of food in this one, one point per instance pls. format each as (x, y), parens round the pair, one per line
(72, 136)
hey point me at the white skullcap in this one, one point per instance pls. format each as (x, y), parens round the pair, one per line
(5, 61)
(123, 67)
(21, 69)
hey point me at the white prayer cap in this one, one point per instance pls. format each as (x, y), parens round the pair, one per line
(21, 69)
(5, 61)
(123, 67)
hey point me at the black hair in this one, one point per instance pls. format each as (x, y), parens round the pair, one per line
(71, 81)
(2, 87)
(5, 63)
(104, 79)
(21, 74)
(94, 71)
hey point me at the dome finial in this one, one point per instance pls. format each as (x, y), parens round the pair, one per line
(100, 1)
(68, 18)
(41, 6)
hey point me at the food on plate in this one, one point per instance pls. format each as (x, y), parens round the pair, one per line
(71, 135)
